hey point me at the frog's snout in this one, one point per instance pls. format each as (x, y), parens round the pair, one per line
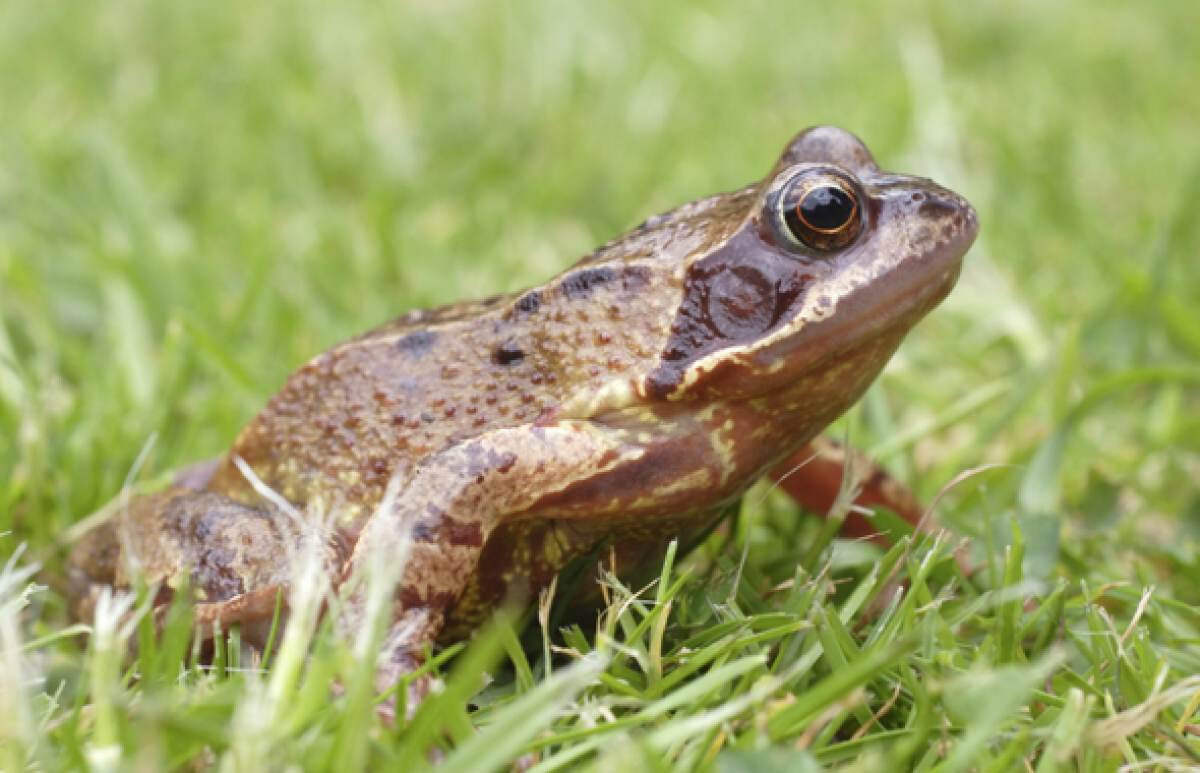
(964, 222)
(947, 222)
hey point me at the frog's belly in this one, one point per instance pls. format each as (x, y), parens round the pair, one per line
(523, 557)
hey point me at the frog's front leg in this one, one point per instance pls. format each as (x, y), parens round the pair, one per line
(813, 475)
(443, 514)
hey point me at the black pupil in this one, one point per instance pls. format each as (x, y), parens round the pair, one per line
(826, 208)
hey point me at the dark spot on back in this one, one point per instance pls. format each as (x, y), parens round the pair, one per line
(508, 354)
(417, 343)
(530, 302)
(581, 283)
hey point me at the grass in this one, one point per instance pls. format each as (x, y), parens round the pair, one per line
(195, 197)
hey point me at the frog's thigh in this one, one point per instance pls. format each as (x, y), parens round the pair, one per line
(450, 505)
(813, 475)
(135, 536)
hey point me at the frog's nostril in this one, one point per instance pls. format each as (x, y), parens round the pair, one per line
(935, 207)
(950, 221)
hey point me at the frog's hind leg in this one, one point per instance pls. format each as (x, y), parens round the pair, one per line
(235, 557)
(813, 475)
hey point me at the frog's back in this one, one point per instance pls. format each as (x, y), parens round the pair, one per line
(368, 411)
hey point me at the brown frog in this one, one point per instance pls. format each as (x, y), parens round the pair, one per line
(634, 397)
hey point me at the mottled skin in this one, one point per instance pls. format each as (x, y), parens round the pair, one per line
(637, 395)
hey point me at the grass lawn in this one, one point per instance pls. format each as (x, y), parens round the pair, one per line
(198, 196)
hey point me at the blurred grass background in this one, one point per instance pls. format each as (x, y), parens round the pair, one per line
(196, 197)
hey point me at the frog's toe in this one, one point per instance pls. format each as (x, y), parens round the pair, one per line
(403, 652)
(418, 690)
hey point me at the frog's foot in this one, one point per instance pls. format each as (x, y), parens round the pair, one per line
(253, 611)
(403, 653)
(813, 475)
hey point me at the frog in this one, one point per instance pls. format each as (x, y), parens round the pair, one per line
(628, 402)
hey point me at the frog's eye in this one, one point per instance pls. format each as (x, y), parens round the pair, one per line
(820, 210)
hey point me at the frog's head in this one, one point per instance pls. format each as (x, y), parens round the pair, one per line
(830, 263)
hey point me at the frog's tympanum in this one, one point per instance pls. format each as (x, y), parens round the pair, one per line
(632, 398)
